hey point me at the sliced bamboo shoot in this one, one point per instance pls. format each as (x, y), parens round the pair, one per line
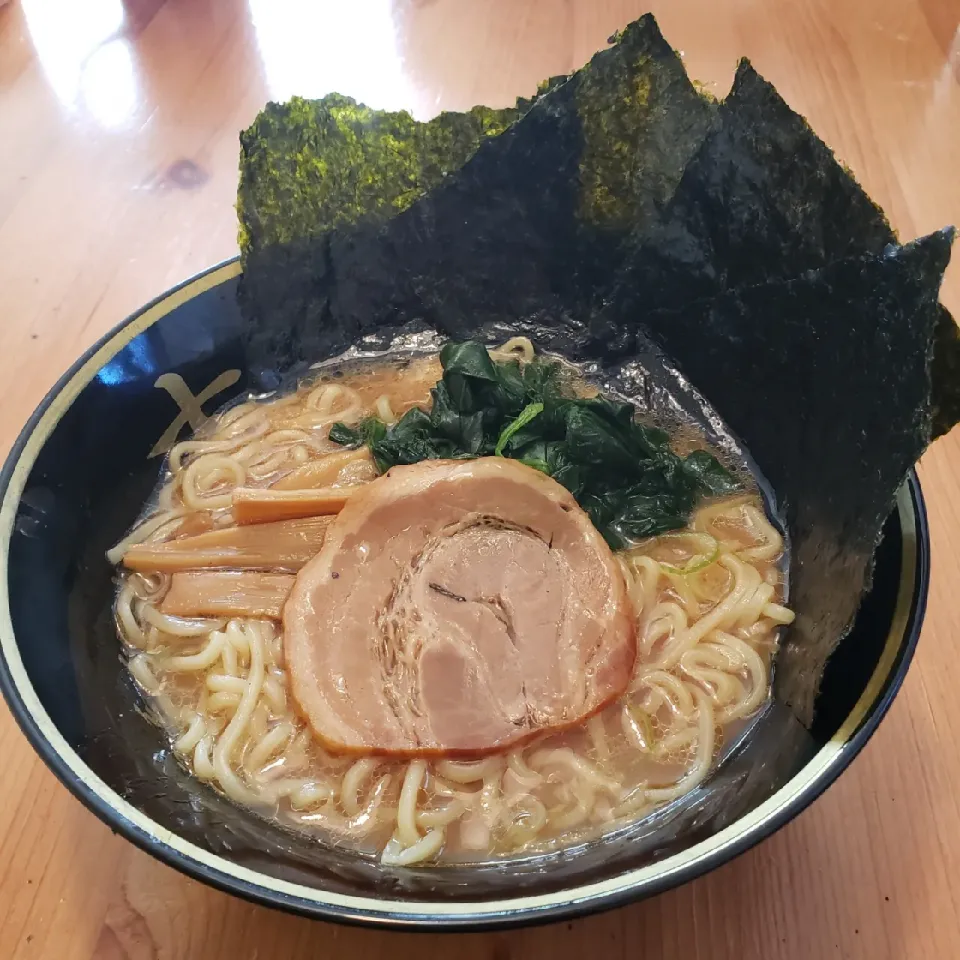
(344, 467)
(287, 545)
(227, 593)
(199, 521)
(255, 506)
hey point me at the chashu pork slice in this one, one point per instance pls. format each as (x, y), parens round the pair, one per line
(457, 607)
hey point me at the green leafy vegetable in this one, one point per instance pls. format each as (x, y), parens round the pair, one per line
(366, 432)
(707, 471)
(526, 415)
(536, 464)
(622, 473)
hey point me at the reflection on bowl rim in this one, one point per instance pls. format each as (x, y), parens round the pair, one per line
(823, 768)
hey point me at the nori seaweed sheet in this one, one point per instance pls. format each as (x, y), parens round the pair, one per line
(536, 221)
(833, 405)
(763, 199)
(945, 373)
(773, 281)
(310, 165)
(625, 204)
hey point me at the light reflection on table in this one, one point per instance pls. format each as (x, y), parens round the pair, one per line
(312, 48)
(87, 59)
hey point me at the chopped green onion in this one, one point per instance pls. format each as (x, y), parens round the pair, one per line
(708, 550)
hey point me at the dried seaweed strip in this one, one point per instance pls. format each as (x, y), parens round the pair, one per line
(623, 203)
(945, 374)
(534, 223)
(764, 198)
(308, 166)
(826, 378)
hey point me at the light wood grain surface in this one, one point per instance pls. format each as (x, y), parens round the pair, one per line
(118, 157)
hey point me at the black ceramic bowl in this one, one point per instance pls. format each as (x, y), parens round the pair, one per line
(78, 475)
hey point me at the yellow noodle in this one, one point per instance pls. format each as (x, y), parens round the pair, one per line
(221, 683)
(467, 772)
(188, 740)
(267, 746)
(520, 769)
(229, 659)
(384, 410)
(224, 441)
(146, 531)
(311, 794)
(778, 613)
(583, 800)
(598, 737)
(407, 832)
(564, 756)
(528, 818)
(441, 817)
(704, 642)
(757, 672)
(333, 402)
(139, 667)
(753, 608)
(228, 741)
(177, 626)
(490, 801)
(633, 731)
(677, 695)
(353, 781)
(274, 694)
(770, 542)
(202, 762)
(126, 621)
(668, 622)
(361, 825)
(203, 658)
(207, 474)
(224, 701)
(704, 756)
(516, 348)
(425, 848)
(683, 590)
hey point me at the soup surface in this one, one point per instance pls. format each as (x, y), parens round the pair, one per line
(242, 602)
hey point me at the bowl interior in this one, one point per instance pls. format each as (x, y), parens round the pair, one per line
(79, 475)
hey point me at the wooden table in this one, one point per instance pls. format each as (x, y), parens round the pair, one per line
(118, 156)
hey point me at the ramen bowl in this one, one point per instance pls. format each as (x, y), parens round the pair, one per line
(73, 483)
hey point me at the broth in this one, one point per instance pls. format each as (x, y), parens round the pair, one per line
(707, 601)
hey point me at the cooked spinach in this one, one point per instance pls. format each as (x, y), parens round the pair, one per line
(526, 415)
(622, 473)
(367, 432)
